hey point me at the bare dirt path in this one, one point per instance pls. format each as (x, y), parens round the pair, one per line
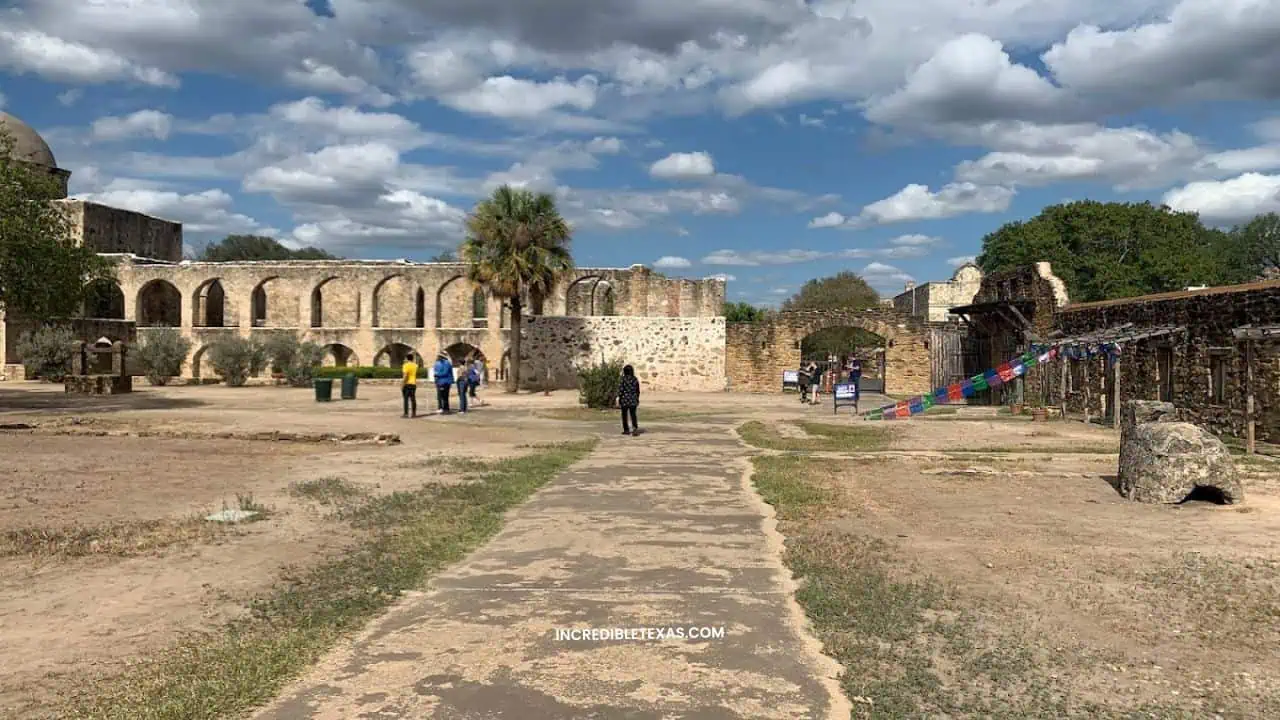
(659, 531)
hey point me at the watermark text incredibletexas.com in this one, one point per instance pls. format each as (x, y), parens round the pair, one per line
(640, 634)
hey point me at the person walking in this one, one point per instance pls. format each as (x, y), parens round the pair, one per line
(443, 373)
(855, 377)
(477, 368)
(409, 386)
(629, 400)
(806, 382)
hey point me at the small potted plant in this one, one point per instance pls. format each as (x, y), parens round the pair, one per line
(1039, 413)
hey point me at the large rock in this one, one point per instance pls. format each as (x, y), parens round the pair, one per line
(1139, 412)
(1163, 462)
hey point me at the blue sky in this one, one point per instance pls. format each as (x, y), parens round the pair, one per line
(771, 141)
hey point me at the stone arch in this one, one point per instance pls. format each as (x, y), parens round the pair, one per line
(396, 302)
(454, 303)
(463, 352)
(339, 355)
(581, 298)
(159, 305)
(332, 305)
(210, 306)
(393, 355)
(104, 300)
(757, 353)
(504, 366)
(199, 367)
(273, 305)
(604, 299)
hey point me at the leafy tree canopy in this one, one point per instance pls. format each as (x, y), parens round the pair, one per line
(1115, 250)
(445, 256)
(842, 291)
(241, 248)
(1257, 247)
(44, 273)
(742, 312)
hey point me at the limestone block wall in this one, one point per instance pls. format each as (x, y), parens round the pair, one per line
(1209, 316)
(112, 230)
(667, 353)
(756, 354)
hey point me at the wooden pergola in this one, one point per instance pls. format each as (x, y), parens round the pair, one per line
(1250, 336)
(1089, 342)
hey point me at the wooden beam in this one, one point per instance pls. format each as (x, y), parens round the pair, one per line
(1086, 389)
(1115, 402)
(1062, 385)
(1250, 443)
(1030, 329)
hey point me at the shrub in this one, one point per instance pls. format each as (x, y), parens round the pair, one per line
(162, 355)
(294, 359)
(364, 372)
(236, 358)
(46, 352)
(598, 384)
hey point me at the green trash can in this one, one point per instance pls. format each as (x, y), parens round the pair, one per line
(324, 389)
(349, 383)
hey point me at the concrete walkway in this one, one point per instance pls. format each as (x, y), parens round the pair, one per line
(660, 530)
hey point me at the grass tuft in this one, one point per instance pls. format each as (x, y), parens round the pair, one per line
(411, 535)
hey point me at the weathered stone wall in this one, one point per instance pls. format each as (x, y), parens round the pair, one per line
(112, 230)
(933, 301)
(1209, 316)
(756, 354)
(1041, 294)
(667, 353)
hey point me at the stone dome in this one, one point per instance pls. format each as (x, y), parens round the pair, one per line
(29, 146)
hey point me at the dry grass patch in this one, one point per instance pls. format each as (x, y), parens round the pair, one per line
(822, 437)
(119, 539)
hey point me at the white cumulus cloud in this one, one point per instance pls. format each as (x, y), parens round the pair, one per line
(680, 165)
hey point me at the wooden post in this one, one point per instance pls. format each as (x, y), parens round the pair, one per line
(1115, 403)
(1086, 362)
(1251, 447)
(1062, 386)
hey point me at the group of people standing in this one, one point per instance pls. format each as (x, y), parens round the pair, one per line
(811, 377)
(444, 375)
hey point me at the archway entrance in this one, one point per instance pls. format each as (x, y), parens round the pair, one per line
(461, 353)
(339, 355)
(393, 355)
(159, 305)
(758, 353)
(210, 305)
(832, 348)
(104, 300)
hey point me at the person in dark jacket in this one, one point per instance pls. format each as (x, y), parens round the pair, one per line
(629, 400)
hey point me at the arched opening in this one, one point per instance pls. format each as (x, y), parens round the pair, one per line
(479, 309)
(396, 303)
(198, 367)
(582, 298)
(335, 303)
(393, 355)
(420, 309)
(832, 347)
(104, 300)
(159, 305)
(462, 353)
(603, 300)
(504, 366)
(455, 304)
(317, 308)
(339, 355)
(210, 304)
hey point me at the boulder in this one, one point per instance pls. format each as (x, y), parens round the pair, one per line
(1139, 412)
(1164, 462)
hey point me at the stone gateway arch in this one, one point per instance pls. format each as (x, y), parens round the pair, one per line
(757, 353)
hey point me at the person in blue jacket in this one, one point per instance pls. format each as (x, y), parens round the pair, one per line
(442, 371)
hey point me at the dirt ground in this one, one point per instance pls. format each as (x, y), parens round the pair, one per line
(1127, 605)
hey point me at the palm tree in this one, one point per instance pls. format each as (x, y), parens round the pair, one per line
(517, 246)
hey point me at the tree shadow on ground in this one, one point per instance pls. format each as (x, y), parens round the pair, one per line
(16, 401)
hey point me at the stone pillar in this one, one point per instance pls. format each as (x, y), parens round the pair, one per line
(118, 366)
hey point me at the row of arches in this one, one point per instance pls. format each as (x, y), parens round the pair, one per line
(392, 355)
(398, 302)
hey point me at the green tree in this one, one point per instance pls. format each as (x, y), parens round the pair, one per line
(445, 256)
(517, 245)
(162, 354)
(742, 312)
(1113, 250)
(842, 291)
(241, 248)
(1255, 248)
(44, 273)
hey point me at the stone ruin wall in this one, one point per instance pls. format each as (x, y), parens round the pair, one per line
(757, 353)
(360, 309)
(1038, 284)
(668, 353)
(112, 230)
(1209, 317)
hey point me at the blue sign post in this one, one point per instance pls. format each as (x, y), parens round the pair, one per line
(844, 394)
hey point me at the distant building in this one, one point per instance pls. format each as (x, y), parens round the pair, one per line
(932, 301)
